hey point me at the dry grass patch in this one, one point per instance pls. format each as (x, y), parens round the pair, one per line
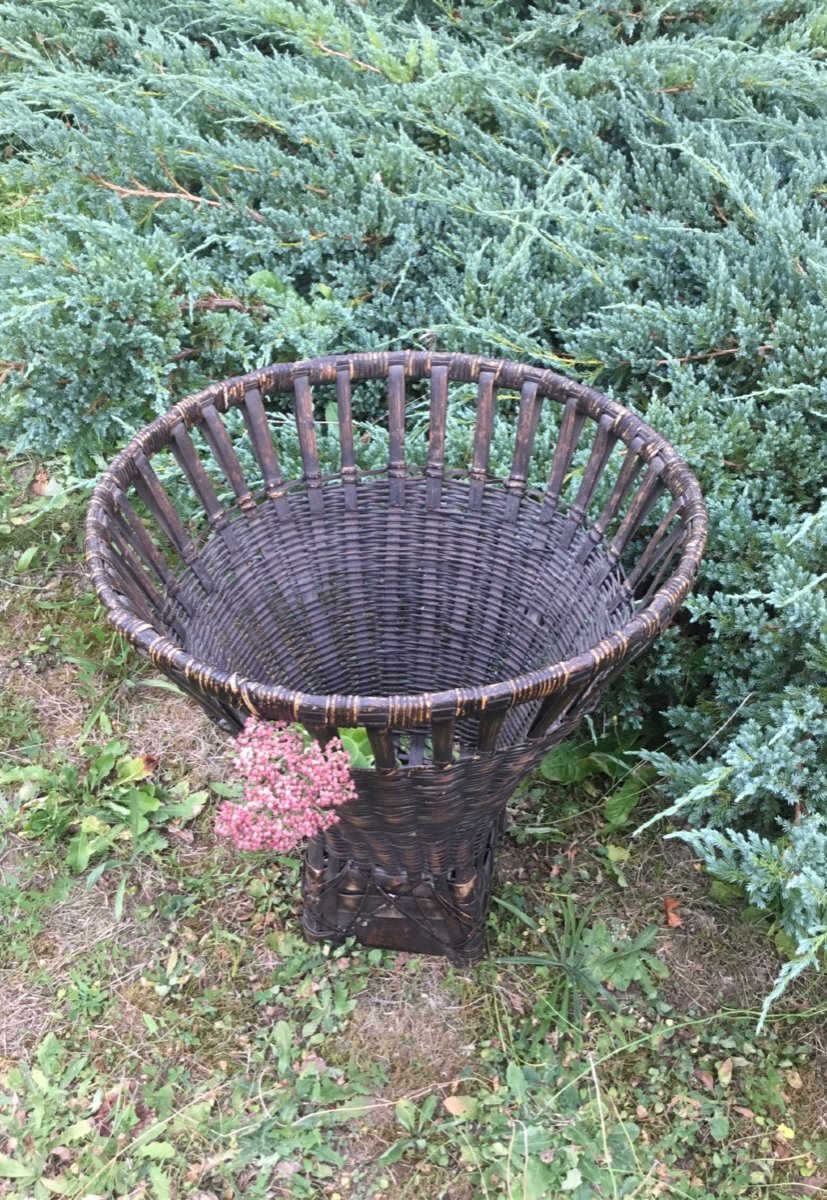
(421, 1027)
(715, 958)
(26, 1015)
(34, 992)
(178, 733)
(54, 704)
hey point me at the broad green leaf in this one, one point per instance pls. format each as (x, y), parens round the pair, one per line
(725, 893)
(58, 1185)
(117, 904)
(515, 1079)
(130, 769)
(26, 561)
(283, 1043)
(160, 1183)
(617, 854)
(719, 1127)
(269, 285)
(572, 1180)
(230, 791)
(10, 1169)
(78, 853)
(77, 1132)
(623, 800)
(566, 764)
(187, 808)
(535, 1180)
(608, 764)
(28, 774)
(406, 1114)
(158, 1150)
(392, 1154)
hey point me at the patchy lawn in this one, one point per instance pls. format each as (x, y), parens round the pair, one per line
(166, 1032)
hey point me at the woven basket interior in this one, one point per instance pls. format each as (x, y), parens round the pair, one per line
(392, 600)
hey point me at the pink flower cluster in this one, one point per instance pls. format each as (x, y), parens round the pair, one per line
(290, 788)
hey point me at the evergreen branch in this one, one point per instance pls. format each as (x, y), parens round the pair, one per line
(696, 357)
(6, 369)
(150, 193)
(223, 304)
(661, 362)
(213, 304)
(145, 193)
(357, 62)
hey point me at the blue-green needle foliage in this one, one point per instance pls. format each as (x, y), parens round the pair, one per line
(635, 197)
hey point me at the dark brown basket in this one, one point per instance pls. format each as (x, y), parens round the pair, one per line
(468, 621)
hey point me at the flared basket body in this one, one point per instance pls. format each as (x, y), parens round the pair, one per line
(461, 575)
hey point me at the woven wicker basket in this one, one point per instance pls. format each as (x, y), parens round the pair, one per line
(468, 621)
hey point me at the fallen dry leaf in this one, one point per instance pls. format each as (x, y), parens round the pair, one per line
(725, 1072)
(670, 907)
(41, 482)
(457, 1105)
(517, 1003)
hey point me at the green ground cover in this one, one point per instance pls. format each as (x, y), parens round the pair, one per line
(166, 1032)
(191, 189)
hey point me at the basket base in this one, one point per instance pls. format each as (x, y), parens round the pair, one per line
(443, 915)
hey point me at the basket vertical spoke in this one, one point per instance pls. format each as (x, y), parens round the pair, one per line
(436, 431)
(531, 404)
(306, 428)
(258, 430)
(483, 430)
(224, 454)
(345, 414)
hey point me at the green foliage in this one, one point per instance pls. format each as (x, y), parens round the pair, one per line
(578, 961)
(212, 1049)
(605, 759)
(572, 969)
(636, 198)
(106, 811)
(357, 744)
(701, 1104)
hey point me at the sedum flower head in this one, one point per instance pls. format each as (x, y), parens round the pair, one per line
(290, 789)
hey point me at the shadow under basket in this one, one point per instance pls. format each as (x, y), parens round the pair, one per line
(467, 620)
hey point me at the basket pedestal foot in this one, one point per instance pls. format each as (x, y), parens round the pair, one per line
(400, 910)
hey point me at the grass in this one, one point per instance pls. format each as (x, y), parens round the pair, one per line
(166, 1032)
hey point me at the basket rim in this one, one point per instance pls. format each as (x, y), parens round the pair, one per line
(345, 711)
